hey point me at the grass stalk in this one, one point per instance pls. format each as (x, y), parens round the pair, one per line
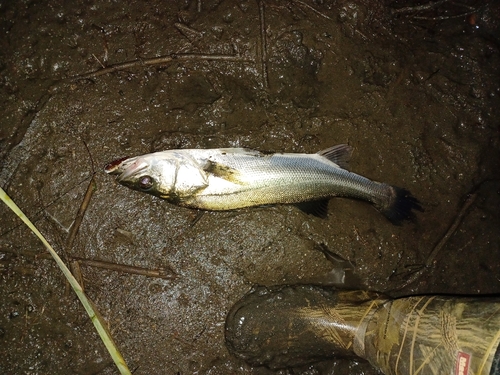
(87, 304)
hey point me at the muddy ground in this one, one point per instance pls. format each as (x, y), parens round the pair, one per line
(414, 88)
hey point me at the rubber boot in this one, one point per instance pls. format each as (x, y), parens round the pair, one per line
(295, 325)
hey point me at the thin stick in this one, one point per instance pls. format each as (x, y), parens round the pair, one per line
(441, 18)
(87, 304)
(199, 215)
(418, 8)
(191, 34)
(77, 272)
(313, 9)
(80, 214)
(160, 61)
(99, 61)
(75, 226)
(161, 273)
(451, 230)
(263, 45)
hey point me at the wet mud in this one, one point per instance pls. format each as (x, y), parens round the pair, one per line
(413, 87)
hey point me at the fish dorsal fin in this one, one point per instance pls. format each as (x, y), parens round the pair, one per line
(340, 155)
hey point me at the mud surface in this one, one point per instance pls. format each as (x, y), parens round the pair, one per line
(415, 90)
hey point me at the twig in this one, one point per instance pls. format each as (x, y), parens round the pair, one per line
(161, 273)
(191, 34)
(159, 61)
(451, 230)
(458, 219)
(418, 8)
(434, 4)
(99, 61)
(263, 45)
(199, 215)
(105, 42)
(77, 272)
(75, 226)
(80, 214)
(440, 18)
(311, 8)
(73, 231)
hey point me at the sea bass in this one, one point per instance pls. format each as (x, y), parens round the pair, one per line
(231, 178)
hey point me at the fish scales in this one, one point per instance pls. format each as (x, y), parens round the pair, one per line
(232, 178)
(264, 178)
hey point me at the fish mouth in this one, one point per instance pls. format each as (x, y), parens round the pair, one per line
(114, 166)
(125, 167)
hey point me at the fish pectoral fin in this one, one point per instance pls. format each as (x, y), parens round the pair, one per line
(340, 155)
(223, 171)
(316, 208)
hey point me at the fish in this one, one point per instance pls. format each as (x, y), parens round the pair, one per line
(234, 178)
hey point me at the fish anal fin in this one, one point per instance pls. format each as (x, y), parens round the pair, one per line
(340, 155)
(317, 208)
(223, 171)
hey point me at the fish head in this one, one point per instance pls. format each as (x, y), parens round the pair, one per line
(147, 173)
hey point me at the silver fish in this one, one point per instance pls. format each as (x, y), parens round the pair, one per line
(231, 178)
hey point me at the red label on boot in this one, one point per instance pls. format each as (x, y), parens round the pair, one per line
(462, 367)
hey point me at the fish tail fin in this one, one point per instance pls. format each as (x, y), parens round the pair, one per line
(400, 207)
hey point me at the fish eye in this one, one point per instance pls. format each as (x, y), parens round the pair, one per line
(146, 182)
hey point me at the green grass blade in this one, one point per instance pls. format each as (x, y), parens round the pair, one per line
(87, 304)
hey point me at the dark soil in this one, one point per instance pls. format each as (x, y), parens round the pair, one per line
(415, 90)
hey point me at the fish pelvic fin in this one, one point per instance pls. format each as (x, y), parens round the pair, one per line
(401, 207)
(223, 171)
(340, 155)
(317, 208)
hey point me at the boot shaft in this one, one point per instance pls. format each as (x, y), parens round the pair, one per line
(433, 335)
